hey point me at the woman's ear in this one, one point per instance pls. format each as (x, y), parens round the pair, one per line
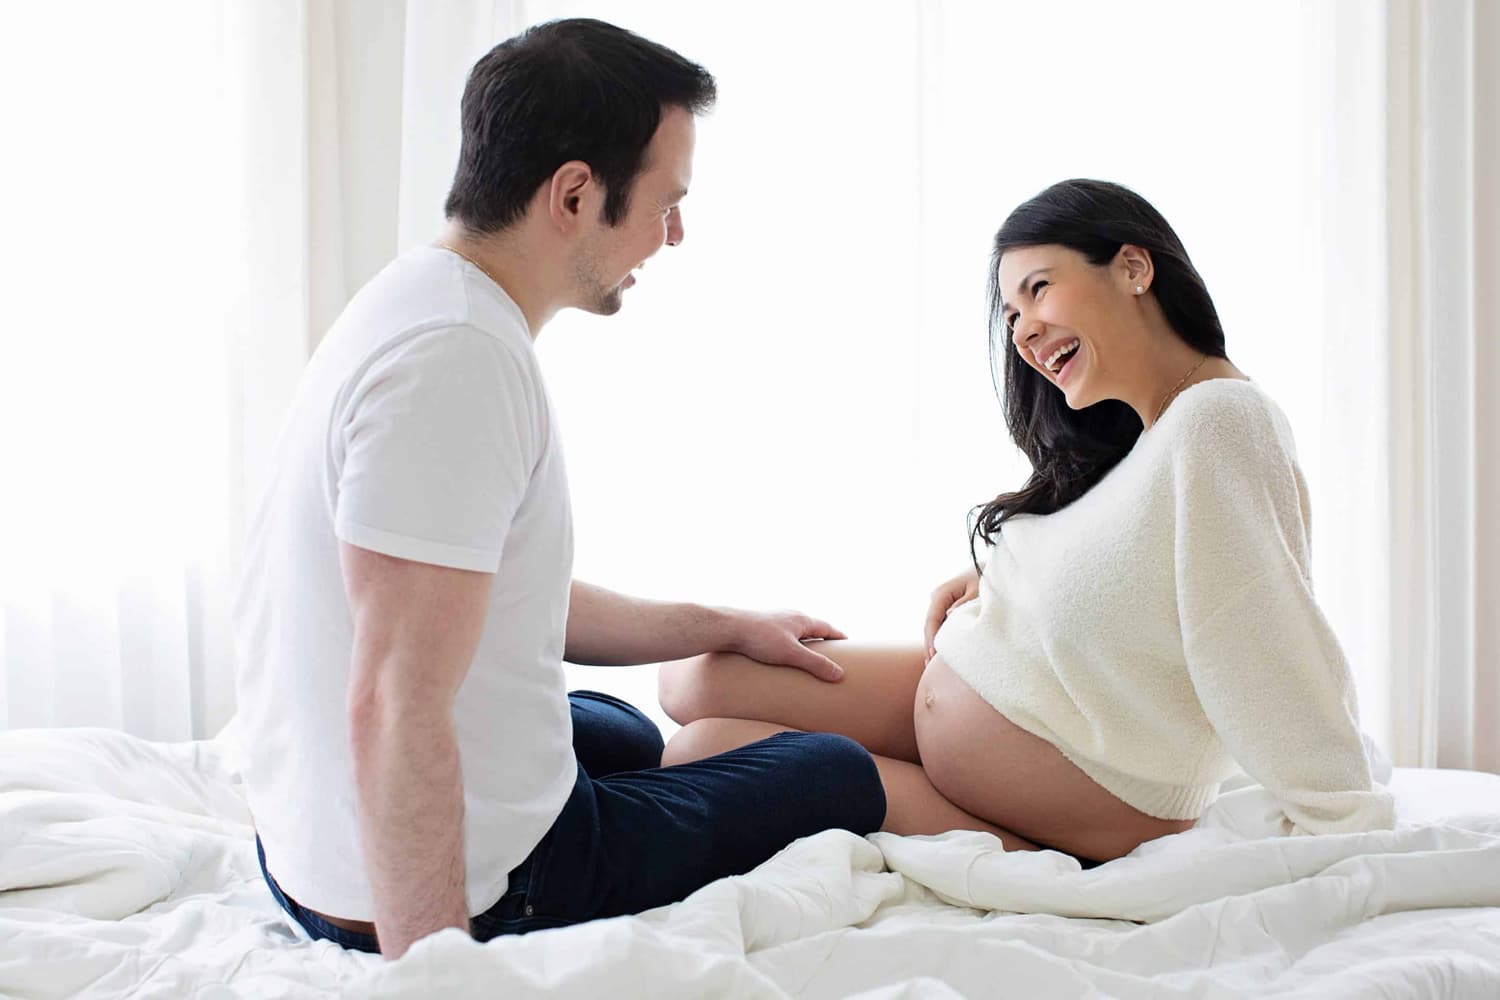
(1134, 267)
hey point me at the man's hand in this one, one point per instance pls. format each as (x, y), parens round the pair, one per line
(959, 590)
(776, 637)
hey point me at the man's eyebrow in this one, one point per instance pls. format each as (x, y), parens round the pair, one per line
(1021, 286)
(677, 195)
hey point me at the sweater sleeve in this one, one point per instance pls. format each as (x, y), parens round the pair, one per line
(1264, 662)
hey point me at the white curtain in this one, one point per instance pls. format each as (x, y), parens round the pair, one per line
(118, 260)
(1442, 214)
(1407, 158)
(795, 406)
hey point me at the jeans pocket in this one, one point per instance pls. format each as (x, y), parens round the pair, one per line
(538, 864)
(520, 910)
(516, 900)
(561, 887)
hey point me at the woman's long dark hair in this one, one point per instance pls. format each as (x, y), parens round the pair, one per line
(1071, 450)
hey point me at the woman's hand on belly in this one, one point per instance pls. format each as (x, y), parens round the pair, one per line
(962, 589)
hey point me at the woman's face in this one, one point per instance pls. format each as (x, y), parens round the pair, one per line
(1066, 318)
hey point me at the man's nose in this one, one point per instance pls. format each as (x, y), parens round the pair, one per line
(674, 228)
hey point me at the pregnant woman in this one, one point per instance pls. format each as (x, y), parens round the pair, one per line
(1140, 616)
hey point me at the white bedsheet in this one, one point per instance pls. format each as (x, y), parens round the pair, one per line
(127, 869)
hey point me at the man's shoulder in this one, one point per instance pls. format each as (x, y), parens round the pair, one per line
(422, 310)
(427, 288)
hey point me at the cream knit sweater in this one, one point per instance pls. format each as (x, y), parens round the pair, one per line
(1162, 627)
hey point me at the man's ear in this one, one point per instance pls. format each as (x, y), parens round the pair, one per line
(569, 194)
(1135, 268)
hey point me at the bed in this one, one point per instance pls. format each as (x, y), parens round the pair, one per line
(127, 868)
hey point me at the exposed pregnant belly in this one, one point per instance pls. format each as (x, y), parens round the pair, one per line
(987, 765)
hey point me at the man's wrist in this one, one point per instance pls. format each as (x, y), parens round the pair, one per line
(722, 629)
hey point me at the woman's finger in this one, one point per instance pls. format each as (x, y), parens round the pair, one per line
(936, 612)
(960, 590)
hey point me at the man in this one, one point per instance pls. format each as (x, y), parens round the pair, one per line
(413, 760)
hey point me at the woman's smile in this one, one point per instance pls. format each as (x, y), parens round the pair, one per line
(1070, 365)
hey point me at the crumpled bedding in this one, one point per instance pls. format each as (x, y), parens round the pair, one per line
(127, 868)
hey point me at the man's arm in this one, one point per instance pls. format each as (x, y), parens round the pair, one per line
(610, 629)
(416, 630)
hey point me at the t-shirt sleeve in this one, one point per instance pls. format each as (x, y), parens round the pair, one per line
(1265, 664)
(439, 438)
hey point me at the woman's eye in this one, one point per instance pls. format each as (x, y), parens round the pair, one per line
(1036, 288)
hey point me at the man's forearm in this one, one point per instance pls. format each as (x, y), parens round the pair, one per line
(411, 819)
(610, 629)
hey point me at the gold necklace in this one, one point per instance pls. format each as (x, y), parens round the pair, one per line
(482, 269)
(1162, 409)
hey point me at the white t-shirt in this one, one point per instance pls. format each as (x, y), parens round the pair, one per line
(421, 429)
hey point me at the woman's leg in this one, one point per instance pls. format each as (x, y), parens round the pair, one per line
(872, 705)
(913, 806)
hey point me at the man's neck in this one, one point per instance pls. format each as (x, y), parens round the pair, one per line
(517, 273)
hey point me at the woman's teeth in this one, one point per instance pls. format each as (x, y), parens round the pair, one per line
(1051, 363)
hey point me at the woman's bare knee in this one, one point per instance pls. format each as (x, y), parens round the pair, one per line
(682, 689)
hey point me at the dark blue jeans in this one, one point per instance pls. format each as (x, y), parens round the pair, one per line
(634, 835)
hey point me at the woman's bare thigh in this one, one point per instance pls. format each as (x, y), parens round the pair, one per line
(872, 705)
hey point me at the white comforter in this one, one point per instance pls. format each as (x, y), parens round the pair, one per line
(127, 869)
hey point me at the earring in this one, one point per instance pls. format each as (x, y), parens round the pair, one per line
(1139, 289)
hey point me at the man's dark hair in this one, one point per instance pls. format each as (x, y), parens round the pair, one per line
(576, 89)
